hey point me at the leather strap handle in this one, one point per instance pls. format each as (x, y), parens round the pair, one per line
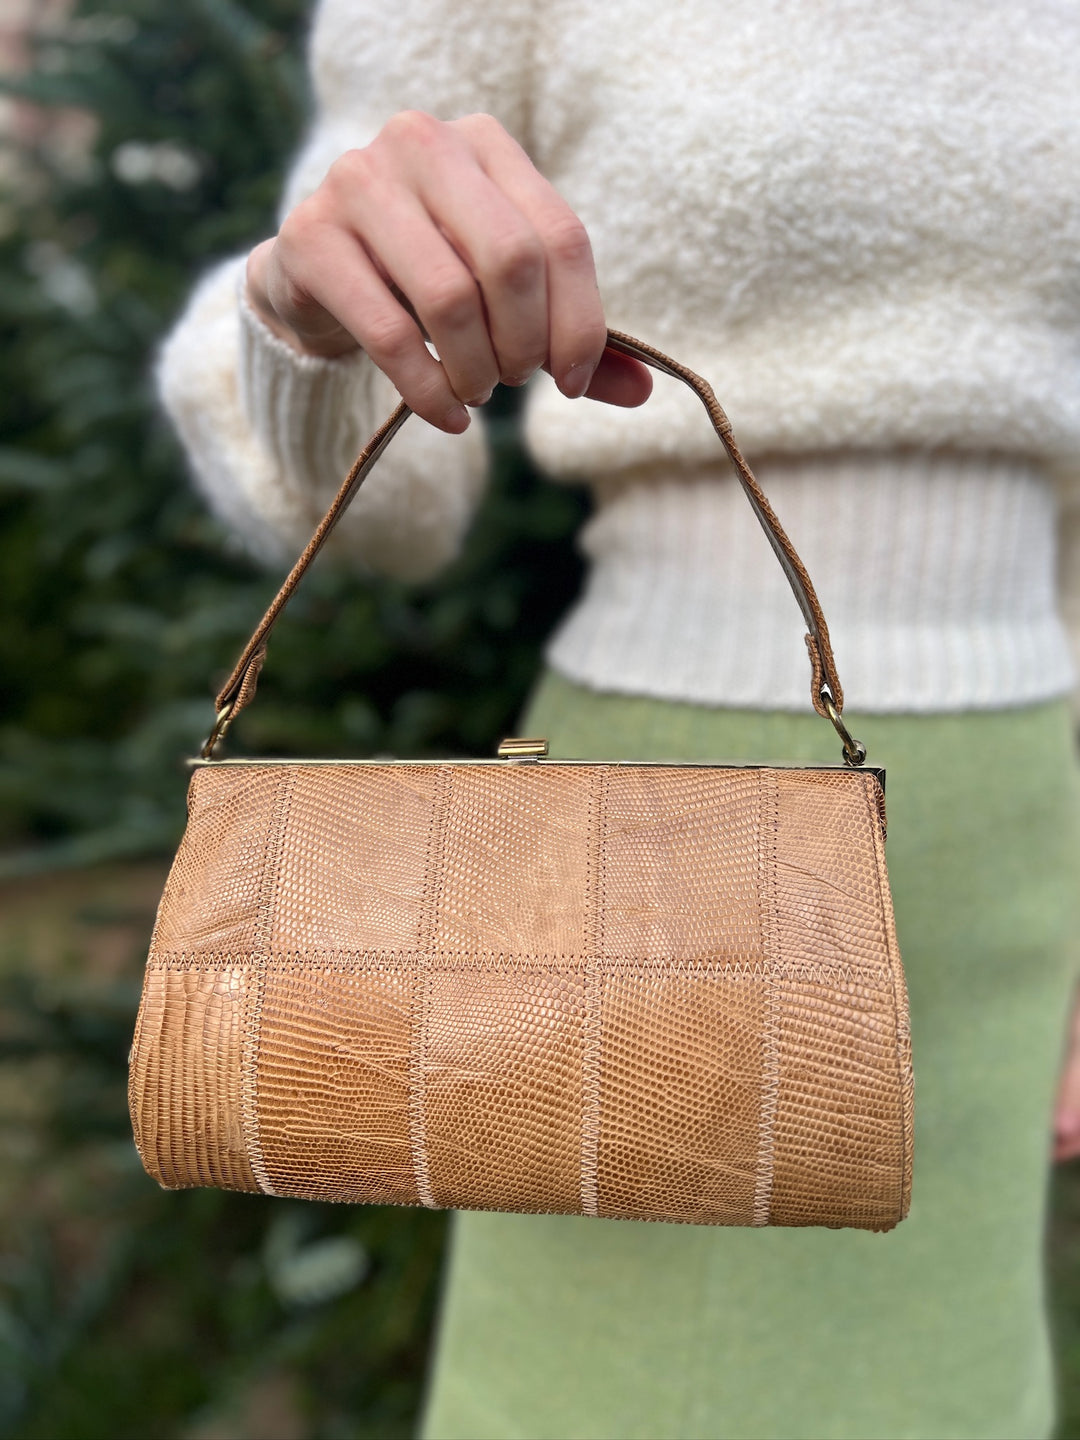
(826, 693)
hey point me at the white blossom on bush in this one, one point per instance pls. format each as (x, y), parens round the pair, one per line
(140, 162)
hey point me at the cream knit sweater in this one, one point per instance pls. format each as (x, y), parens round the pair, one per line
(860, 222)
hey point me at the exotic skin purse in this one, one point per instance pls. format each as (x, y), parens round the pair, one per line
(647, 991)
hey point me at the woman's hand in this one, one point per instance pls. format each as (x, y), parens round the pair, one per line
(444, 230)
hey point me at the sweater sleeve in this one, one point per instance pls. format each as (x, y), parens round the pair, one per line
(269, 433)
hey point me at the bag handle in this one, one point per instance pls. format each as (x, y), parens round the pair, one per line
(826, 693)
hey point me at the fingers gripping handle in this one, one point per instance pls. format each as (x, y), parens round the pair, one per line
(826, 693)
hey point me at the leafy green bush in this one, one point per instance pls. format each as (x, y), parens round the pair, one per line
(125, 1311)
(123, 599)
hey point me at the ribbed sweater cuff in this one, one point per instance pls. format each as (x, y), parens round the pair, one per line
(304, 410)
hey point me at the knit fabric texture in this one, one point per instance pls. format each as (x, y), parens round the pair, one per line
(935, 571)
(856, 221)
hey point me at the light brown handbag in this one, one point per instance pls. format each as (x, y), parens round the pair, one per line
(651, 991)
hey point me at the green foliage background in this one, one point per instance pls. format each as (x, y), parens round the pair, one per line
(124, 1311)
(122, 598)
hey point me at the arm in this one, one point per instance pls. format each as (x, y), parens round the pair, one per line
(269, 434)
(430, 228)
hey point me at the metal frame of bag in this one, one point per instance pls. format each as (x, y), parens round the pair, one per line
(634, 990)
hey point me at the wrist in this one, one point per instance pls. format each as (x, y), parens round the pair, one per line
(325, 346)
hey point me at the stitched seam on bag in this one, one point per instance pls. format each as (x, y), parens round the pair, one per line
(426, 932)
(815, 971)
(592, 1032)
(903, 1077)
(770, 1043)
(264, 931)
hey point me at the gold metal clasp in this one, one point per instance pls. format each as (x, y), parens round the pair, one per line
(854, 750)
(517, 748)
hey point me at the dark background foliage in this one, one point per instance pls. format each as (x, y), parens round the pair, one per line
(124, 1311)
(127, 1312)
(122, 598)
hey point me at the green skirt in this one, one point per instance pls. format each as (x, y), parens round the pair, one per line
(555, 1326)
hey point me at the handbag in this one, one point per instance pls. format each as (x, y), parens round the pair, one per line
(649, 991)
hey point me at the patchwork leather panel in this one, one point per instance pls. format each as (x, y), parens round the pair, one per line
(829, 883)
(662, 992)
(514, 855)
(681, 867)
(500, 1111)
(843, 1042)
(331, 1077)
(352, 870)
(680, 1102)
(186, 1078)
(213, 900)
(840, 1150)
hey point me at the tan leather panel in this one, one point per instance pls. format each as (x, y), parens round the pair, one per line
(213, 900)
(332, 1080)
(828, 877)
(680, 864)
(352, 870)
(514, 853)
(657, 991)
(837, 1058)
(502, 1080)
(680, 1101)
(186, 1076)
(843, 1039)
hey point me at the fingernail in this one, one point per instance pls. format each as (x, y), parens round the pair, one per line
(577, 381)
(457, 420)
